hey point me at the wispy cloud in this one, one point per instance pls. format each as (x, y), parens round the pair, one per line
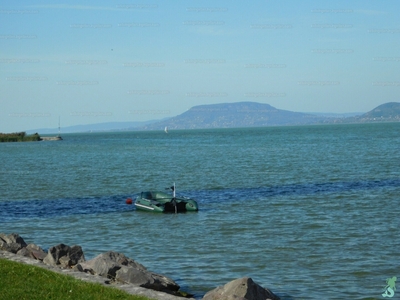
(370, 12)
(73, 7)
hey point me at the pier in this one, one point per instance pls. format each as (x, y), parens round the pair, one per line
(51, 138)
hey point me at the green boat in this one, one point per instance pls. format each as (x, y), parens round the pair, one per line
(156, 201)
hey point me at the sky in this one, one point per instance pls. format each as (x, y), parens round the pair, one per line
(108, 61)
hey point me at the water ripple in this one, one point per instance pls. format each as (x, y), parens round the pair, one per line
(14, 210)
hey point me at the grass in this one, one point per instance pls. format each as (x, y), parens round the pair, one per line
(21, 281)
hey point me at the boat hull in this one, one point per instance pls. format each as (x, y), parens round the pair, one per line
(164, 203)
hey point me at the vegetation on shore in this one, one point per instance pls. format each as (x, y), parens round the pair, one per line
(18, 137)
(21, 281)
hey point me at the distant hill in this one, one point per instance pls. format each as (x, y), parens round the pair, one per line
(336, 115)
(108, 126)
(239, 114)
(386, 112)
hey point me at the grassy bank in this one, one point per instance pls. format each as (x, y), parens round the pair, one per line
(18, 137)
(21, 281)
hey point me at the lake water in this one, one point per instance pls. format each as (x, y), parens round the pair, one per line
(310, 212)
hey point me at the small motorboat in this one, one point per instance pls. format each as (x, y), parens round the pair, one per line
(157, 201)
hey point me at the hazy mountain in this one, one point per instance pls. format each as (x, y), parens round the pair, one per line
(386, 112)
(239, 114)
(108, 126)
(336, 115)
(252, 114)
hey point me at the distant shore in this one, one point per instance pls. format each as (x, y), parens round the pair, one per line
(51, 138)
(23, 137)
(18, 137)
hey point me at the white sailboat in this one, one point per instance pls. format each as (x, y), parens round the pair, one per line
(166, 129)
(59, 126)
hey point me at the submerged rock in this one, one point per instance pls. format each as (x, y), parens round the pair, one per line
(240, 289)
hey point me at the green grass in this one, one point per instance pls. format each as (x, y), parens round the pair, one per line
(21, 281)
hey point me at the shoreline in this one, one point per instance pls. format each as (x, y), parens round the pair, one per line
(23, 137)
(114, 269)
(128, 288)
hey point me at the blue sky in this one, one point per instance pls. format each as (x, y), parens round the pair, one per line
(103, 61)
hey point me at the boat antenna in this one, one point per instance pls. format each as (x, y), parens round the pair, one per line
(174, 197)
(58, 125)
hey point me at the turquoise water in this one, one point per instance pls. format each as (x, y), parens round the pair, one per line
(310, 212)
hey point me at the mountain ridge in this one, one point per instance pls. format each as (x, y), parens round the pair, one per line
(239, 114)
(254, 114)
(387, 111)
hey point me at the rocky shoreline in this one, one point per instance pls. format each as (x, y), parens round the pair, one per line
(116, 270)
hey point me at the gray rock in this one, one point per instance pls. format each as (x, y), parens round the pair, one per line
(129, 288)
(80, 268)
(4, 246)
(146, 279)
(33, 251)
(76, 255)
(102, 265)
(12, 242)
(240, 289)
(64, 256)
(36, 252)
(13, 238)
(64, 262)
(15, 244)
(118, 267)
(54, 254)
(108, 263)
(132, 275)
(24, 252)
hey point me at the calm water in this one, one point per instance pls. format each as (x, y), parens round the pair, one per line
(311, 212)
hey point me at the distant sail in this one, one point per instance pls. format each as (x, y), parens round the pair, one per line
(166, 129)
(59, 127)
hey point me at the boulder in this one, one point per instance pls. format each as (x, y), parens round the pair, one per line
(24, 252)
(36, 252)
(12, 242)
(118, 267)
(4, 246)
(16, 244)
(240, 289)
(64, 256)
(33, 251)
(76, 255)
(107, 264)
(133, 275)
(146, 279)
